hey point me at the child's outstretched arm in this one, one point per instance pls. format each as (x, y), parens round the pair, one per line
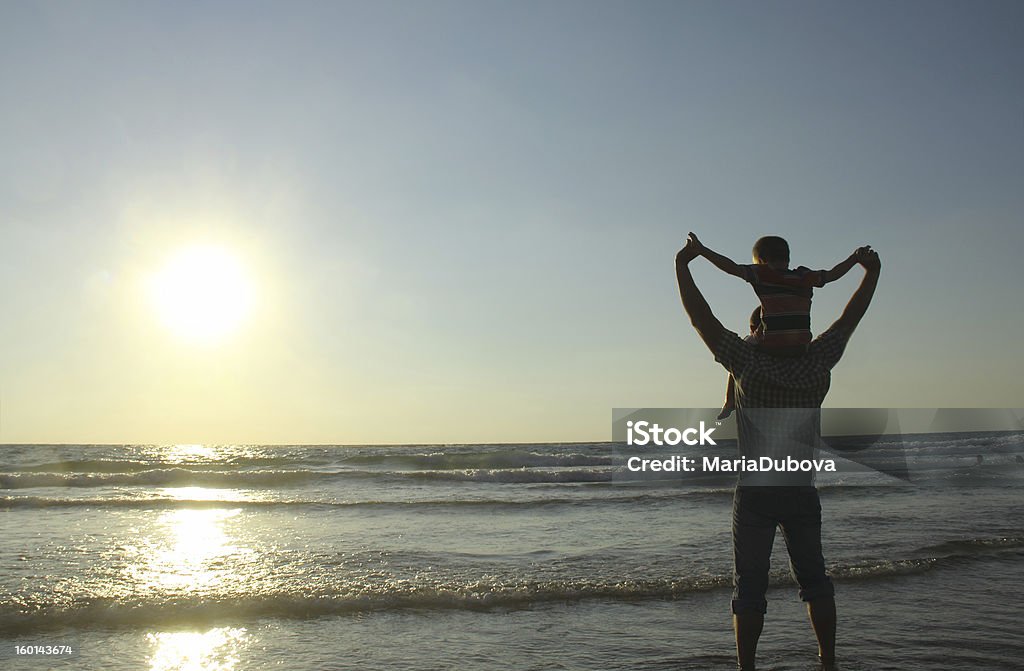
(842, 267)
(723, 263)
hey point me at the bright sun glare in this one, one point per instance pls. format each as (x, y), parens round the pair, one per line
(202, 293)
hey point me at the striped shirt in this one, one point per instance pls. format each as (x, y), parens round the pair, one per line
(785, 297)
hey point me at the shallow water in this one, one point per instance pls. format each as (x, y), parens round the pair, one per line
(510, 557)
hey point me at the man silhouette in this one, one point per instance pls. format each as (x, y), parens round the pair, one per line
(796, 383)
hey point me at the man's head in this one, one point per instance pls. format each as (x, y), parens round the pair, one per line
(756, 325)
(773, 251)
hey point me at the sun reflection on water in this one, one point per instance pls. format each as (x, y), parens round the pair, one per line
(214, 650)
(204, 494)
(190, 452)
(191, 551)
(198, 453)
(197, 553)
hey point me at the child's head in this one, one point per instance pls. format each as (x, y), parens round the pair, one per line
(773, 251)
(756, 325)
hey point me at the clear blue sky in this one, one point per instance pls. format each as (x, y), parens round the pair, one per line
(460, 217)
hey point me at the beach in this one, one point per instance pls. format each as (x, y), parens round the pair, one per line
(483, 557)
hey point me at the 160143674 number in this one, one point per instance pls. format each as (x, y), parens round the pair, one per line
(43, 650)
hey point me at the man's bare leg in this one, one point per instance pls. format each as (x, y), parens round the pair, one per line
(747, 625)
(823, 619)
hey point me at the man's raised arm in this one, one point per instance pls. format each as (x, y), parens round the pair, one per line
(708, 327)
(861, 299)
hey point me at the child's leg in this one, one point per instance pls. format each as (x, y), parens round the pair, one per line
(730, 399)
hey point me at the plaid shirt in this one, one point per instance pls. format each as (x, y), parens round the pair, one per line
(778, 399)
(767, 381)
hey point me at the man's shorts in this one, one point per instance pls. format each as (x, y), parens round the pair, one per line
(756, 512)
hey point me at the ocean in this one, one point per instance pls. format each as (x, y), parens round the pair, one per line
(491, 557)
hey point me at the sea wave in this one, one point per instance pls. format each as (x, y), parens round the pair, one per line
(154, 611)
(22, 614)
(440, 461)
(161, 503)
(115, 465)
(996, 442)
(159, 477)
(517, 475)
(974, 546)
(340, 459)
(285, 478)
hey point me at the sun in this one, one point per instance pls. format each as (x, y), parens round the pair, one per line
(202, 293)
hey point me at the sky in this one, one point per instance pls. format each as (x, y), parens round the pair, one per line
(458, 219)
